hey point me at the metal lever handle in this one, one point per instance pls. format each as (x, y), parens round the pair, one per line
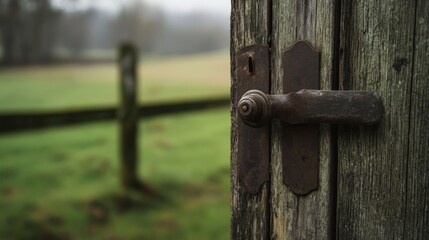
(311, 106)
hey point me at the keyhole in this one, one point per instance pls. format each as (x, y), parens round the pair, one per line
(250, 65)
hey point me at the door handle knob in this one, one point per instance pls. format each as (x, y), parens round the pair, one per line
(311, 106)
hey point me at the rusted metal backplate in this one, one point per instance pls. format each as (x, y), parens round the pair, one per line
(300, 142)
(253, 72)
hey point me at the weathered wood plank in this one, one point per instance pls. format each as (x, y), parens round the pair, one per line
(250, 213)
(305, 217)
(128, 115)
(376, 53)
(417, 209)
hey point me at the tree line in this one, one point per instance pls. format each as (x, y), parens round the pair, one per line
(35, 31)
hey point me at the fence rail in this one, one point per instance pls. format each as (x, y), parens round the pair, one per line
(15, 122)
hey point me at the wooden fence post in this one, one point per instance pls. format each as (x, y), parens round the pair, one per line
(128, 115)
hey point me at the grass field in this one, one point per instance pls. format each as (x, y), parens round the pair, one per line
(77, 86)
(62, 183)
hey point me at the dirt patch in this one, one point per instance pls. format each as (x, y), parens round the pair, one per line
(98, 212)
(59, 157)
(9, 192)
(30, 228)
(100, 209)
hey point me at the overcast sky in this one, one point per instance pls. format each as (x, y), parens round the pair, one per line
(178, 6)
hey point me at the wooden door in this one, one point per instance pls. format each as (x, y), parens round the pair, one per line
(373, 181)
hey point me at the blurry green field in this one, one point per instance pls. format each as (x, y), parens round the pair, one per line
(63, 183)
(78, 85)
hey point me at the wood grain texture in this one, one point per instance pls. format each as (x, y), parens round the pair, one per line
(417, 201)
(128, 115)
(249, 213)
(380, 189)
(376, 53)
(304, 217)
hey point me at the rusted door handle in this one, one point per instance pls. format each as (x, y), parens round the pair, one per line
(311, 106)
(300, 109)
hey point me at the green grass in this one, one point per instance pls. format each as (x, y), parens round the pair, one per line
(84, 86)
(63, 183)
